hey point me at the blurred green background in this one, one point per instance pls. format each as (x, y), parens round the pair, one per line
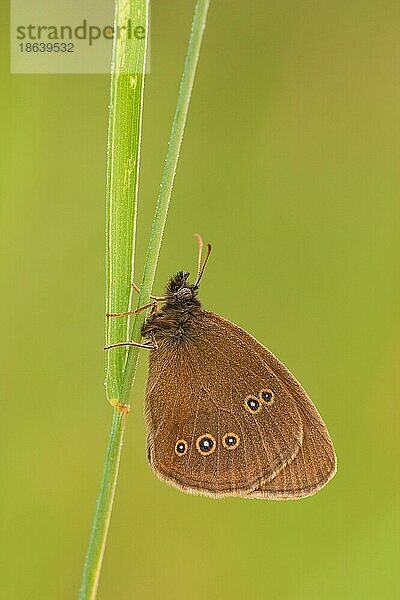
(290, 168)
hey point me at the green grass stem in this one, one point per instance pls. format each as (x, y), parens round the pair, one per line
(126, 106)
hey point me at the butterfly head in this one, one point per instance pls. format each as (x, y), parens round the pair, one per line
(180, 289)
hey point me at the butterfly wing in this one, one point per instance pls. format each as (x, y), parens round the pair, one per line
(315, 463)
(210, 429)
(312, 468)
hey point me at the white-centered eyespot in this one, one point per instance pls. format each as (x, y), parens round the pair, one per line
(230, 440)
(267, 396)
(181, 447)
(206, 444)
(252, 404)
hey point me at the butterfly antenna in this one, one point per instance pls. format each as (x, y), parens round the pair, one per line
(201, 267)
(200, 242)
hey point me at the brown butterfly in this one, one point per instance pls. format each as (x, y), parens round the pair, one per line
(225, 416)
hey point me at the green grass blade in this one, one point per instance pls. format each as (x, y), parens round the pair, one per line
(123, 161)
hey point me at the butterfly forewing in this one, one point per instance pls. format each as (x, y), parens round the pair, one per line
(221, 418)
(315, 463)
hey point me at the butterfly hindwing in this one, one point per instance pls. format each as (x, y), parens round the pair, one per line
(313, 466)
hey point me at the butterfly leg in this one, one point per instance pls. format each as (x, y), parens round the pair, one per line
(152, 346)
(156, 298)
(136, 287)
(134, 312)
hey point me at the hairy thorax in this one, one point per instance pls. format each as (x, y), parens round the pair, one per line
(175, 322)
